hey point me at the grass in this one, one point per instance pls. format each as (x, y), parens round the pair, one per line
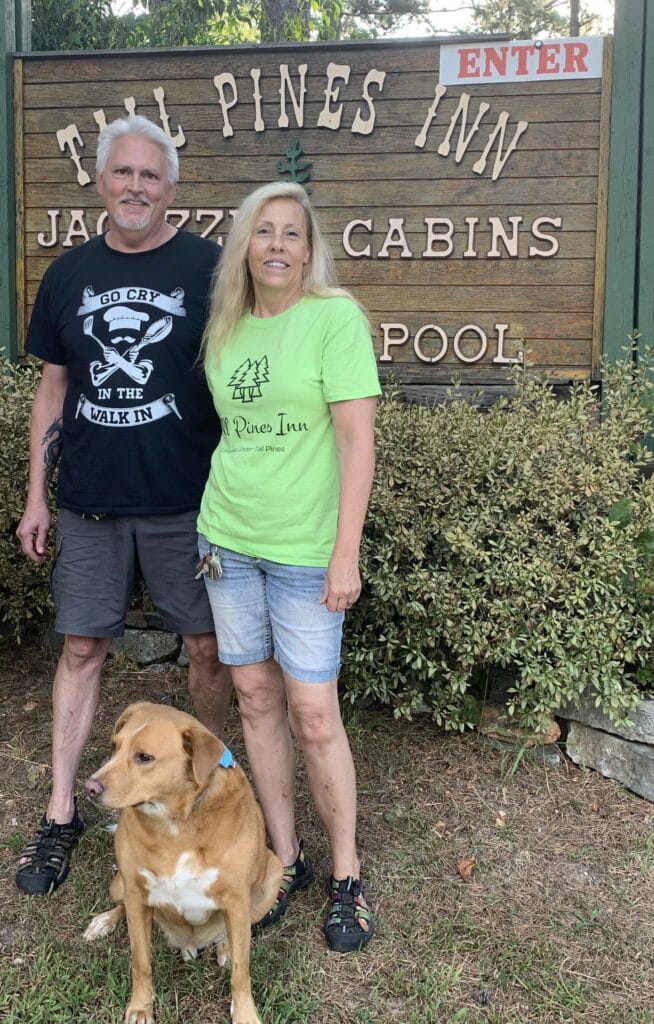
(553, 926)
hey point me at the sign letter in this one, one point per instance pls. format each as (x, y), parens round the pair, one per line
(332, 118)
(285, 85)
(220, 81)
(362, 126)
(67, 137)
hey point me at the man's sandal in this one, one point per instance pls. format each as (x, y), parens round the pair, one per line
(349, 925)
(296, 876)
(46, 859)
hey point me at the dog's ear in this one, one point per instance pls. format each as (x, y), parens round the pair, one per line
(204, 749)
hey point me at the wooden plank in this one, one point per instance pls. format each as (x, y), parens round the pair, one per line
(458, 300)
(206, 116)
(576, 218)
(472, 273)
(475, 377)
(575, 245)
(541, 136)
(182, 92)
(531, 326)
(482, 397)
(337, 193)
(359, 167)
(204, 63)
(194, 74)
(486, 299)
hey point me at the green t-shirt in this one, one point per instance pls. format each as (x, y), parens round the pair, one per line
(273, 488)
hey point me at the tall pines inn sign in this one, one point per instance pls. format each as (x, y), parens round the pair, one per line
(461, 185)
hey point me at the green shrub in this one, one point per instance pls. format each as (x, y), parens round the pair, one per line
(24, 595)
(521, 538)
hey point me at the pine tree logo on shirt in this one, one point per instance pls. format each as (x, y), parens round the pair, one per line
(247, 379)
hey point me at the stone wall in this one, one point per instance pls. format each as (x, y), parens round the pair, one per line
(624, 753)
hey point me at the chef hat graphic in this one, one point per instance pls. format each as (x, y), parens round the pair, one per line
(121, 318)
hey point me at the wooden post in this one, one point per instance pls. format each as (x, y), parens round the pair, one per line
(627, 177)
(14, 35)
(645, 289)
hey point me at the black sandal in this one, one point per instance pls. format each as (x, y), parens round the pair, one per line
(47, 856)
(349, 925)
(296, 876)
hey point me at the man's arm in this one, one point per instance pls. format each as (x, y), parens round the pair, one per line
(46, 425)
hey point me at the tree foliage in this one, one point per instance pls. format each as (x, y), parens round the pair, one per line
(93, 25)
(525, 19)
(365, 19)
(76, 25)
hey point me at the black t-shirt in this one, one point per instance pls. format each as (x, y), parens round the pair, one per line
(139, 422)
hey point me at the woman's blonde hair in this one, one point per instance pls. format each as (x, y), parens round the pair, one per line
(232, 293)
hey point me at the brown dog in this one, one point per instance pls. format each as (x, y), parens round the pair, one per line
(190, 848)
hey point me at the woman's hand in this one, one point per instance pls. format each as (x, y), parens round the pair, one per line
(342, 585)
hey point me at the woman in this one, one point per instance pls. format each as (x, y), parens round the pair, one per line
(289, 360)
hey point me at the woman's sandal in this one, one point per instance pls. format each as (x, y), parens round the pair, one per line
(46, 859)
(296, 876)
(349, 925)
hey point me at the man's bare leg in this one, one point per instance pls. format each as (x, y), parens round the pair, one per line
(75, 693)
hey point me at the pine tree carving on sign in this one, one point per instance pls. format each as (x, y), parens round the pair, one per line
(293, 166)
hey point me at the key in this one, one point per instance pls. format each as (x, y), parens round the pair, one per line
(209, 566)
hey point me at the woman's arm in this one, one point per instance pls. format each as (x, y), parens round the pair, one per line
(354, 429)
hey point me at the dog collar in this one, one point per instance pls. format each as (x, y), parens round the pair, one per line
(227, 760)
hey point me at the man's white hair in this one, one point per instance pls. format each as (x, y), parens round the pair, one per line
(137, 125)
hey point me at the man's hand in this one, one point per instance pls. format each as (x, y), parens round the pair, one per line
(32, 532)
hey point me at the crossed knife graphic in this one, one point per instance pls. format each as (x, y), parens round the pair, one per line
(137, 370)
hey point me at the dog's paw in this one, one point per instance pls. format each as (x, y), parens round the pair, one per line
(245, 1013)
(138, 1016)
(101, 926)
(189, 953)
(222, 953)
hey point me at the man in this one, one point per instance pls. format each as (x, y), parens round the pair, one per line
(118, 323)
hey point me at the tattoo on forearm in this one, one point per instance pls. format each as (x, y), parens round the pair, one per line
(53, 443)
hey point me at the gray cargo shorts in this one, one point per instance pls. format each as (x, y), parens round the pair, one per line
(96, 562)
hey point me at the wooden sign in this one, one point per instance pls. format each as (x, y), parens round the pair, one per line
(467, 218)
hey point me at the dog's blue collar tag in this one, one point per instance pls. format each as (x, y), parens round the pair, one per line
(227, 760)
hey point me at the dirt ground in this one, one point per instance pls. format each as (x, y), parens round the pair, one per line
(505, 893)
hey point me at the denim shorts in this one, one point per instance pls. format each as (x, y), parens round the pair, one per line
(264, 610)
